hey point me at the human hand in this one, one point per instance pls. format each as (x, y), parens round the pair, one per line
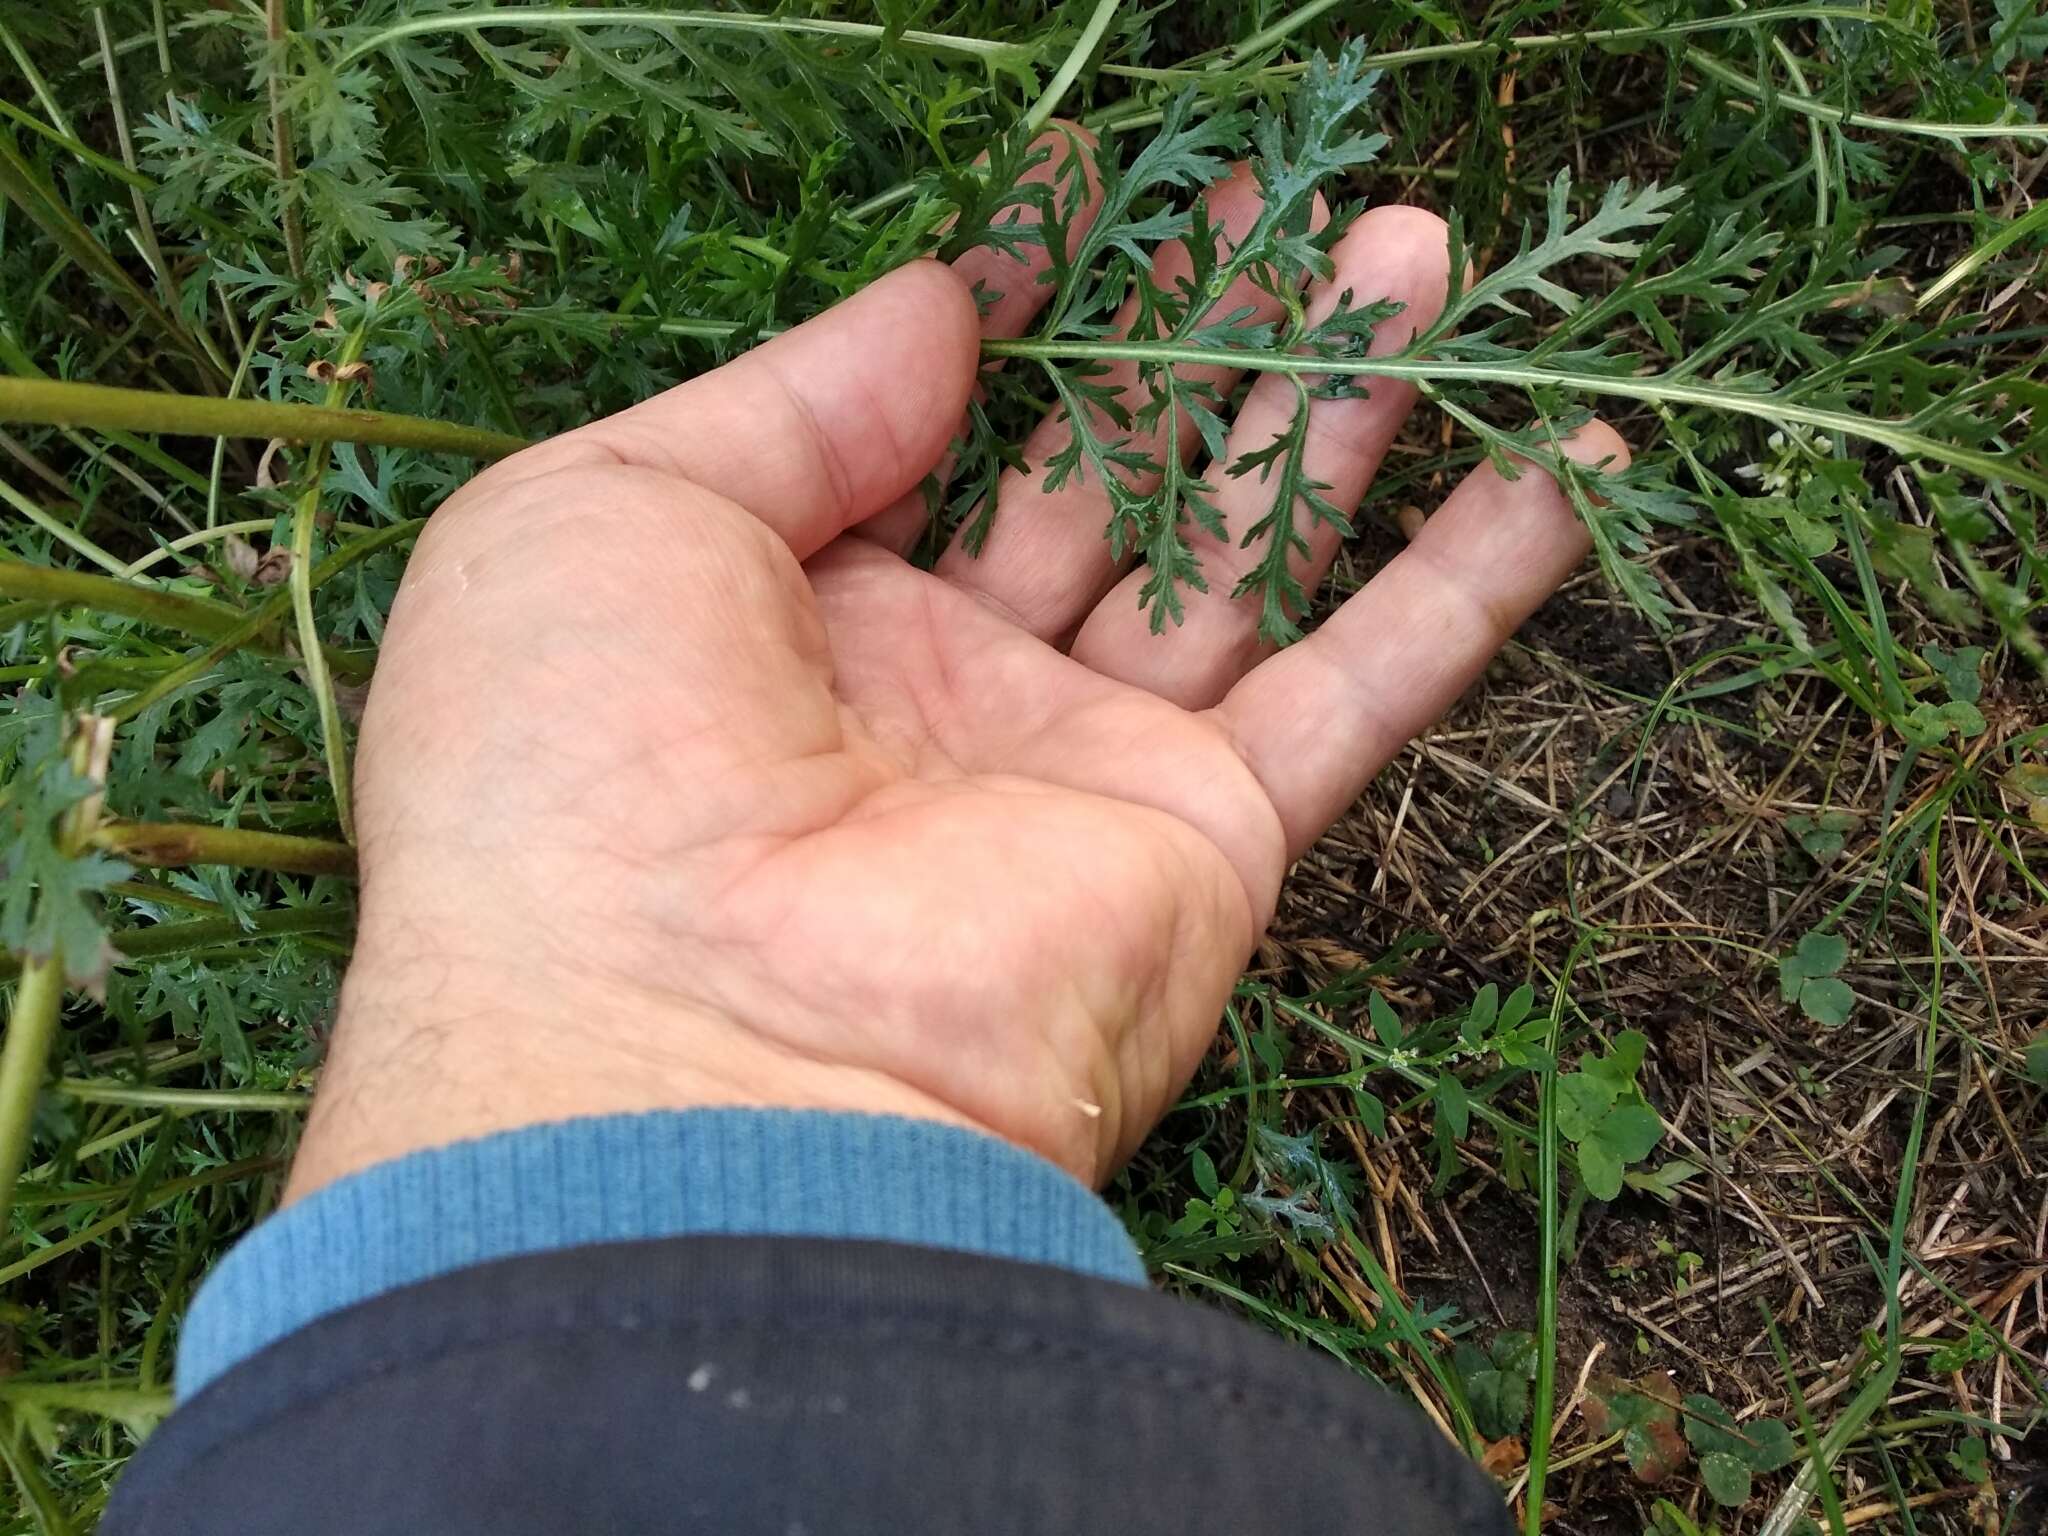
(680, 787)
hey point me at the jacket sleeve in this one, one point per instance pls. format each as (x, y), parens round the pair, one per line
(779, 1382)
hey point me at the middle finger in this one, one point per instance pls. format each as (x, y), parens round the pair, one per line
(1046, 562)
(1390, 253)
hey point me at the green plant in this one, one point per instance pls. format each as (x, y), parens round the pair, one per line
(1731, 1453)
(1807, 977)
(1497, 1381)
(1823, 835)
(1970, 1460)
(1604, 1115)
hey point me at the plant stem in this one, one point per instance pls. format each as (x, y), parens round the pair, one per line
(281, 139)
(59, 530)
(180, 1100)
(31, 1027)
(53, 402)
(39, 997)
(145, 226)
(1543, 1405)
(347, 663)
(1070, 69)
(84, 152)
(35, 79)
(162, 1195)
(333, 737)
(2019, 229)
(19, 184)
(179, 545)
(197, 616)
(161, 939)
(1900, 436)
(166, 844)
(697, 21)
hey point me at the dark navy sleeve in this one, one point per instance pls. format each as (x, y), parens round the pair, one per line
(789, 1386)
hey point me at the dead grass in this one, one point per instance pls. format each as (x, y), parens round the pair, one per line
(1552, 799)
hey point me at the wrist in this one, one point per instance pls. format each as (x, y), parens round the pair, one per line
(421, 1061)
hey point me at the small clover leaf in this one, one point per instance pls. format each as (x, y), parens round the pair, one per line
(1807, 977)
(1957, 670)
(1822, 836)
(1970, 1460)
(1727, 1479)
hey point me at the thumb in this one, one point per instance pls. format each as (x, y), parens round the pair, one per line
(814, 430)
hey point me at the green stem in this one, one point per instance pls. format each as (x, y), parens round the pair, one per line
(19, 184)
(129, 599)
(163, 939)
(167, 844)
(333, 737)
(1278, 32)
(145, 226)
(181, 1100)
(1070, 69)
(1543, 1408)
(281, 140)
(162, 1195)
(1647, 32)
(2014, 232)
(35, 79)
(1808, 106)
(59, 530)
(690, 21)
(1533, 42)
(1901, 436)
(197, 616)
(272, 613)
(54, 403)
(171, 548)
(31, 1027)
(85, 152)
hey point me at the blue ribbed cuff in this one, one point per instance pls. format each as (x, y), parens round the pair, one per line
(614, 1178)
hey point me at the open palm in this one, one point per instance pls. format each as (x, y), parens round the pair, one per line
(680, 786)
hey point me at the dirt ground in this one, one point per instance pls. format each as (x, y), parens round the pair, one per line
(1551, 799)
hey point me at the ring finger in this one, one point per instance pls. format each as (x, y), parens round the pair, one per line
(1046, 562)
(1391, 253)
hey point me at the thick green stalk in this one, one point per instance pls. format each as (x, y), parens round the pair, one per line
(197, 616)
(161, 939)
(169, 844)
(183, 1101)
(55, 403)
(130, 599)
(31, 1027)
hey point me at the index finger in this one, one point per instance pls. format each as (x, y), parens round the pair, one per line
(1006, 277)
